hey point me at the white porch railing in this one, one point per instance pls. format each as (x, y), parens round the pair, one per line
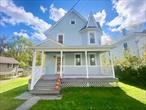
(100, 71)
(36, 75)
(71, 71)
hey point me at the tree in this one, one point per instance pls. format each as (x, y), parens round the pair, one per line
(19, 49)
(3, 44)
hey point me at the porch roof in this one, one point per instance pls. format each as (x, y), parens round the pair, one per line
(74, 48)
(52, 45)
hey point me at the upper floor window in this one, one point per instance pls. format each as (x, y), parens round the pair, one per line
(91, 37)
(77, 59)
(72, 21)
(125, 46)
(60, 38)
(92, 59)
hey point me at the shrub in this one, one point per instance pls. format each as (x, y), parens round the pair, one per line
(131, 70)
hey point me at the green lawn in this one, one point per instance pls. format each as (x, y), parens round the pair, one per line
(7, 85)
(9, 89)
(124, 97)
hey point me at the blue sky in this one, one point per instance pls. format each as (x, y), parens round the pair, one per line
(32, 18)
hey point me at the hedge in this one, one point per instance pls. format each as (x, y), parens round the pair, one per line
(132, 75)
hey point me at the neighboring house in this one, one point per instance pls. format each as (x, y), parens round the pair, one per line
(72, 52)
(8, 67)
(134, 43)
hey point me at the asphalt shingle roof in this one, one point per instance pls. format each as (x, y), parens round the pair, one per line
(9, 60)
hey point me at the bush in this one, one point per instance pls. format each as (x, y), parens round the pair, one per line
(131, 69)
(131, 75)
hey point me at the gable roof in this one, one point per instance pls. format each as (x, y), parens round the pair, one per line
(8, 60)
(74, 11)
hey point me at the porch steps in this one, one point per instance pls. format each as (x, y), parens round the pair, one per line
(46, 86)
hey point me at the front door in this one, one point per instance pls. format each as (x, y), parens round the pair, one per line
(58, 63)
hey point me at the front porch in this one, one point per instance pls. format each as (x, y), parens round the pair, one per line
(62, 63)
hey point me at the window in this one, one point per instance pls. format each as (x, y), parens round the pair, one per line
(60, 38)
(125, 46)
(77, 59)
(72, 22)
(92, 59)
(91, 38)
(10, 65)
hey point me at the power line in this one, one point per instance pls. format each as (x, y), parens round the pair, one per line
(74, 5)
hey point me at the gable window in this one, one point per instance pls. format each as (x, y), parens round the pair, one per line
(60, 38)
(77, 59)
(92, 59)
(72, 21)
(91, 37)
(125, 46)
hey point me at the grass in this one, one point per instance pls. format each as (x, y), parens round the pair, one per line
(9, 89)
(124, 97)
(7, 85)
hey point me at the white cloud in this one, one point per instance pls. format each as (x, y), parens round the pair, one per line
(106, 39)
(100, 17)
(131, 13)
(21, 33)
(39, 35)
(16, 15)
(43, 9)
(116, 21)
(56, 13)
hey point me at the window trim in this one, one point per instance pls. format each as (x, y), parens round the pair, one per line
(89, 37)
(95, 59)
(58, 37)
(72, 20)
(75, 58)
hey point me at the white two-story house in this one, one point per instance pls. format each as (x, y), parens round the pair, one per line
(134, 43)
(72, 53)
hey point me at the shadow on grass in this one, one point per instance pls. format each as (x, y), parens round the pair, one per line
(136, 84)
(91, 99)
(7, 99)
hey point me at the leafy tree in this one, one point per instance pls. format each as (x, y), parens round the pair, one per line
(19, 49)
(3, 44)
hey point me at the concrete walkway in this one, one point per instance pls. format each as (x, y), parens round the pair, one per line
(32, 99)
(29, 103)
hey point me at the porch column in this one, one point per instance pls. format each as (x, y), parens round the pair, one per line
(111, 62)
(86, 62)
(33, 69)
(61, 53)
(42, 60)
